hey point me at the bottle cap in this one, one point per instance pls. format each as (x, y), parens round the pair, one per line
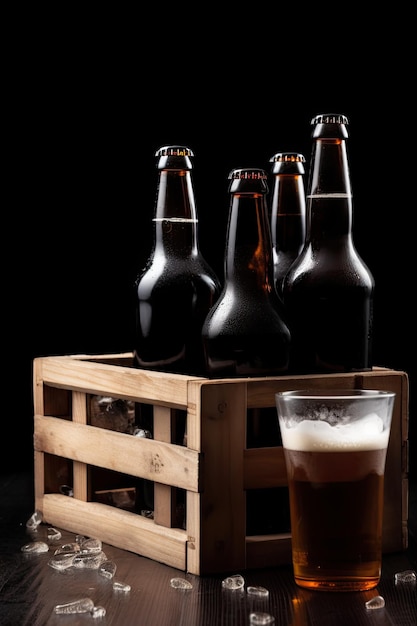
(174, 157)
(330, 125)
(248, 180)
(287, 163)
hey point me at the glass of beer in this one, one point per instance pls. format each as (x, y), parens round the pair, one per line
(335, 444)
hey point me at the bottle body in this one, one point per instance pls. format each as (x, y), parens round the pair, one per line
(328, 291)
(177, 287)
(288, 212)
(244, 333)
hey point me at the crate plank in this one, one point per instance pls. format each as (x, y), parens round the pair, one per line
(116, 527)
(112, 380)
(136, 456)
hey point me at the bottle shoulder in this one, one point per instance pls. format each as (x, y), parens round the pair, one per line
(170, 272)
(245, 312)
(338, 266)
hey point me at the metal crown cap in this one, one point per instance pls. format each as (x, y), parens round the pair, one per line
(330, 118)
(248, 173)
(330, 126)
(288, 157)
(248, 180)
(288, 163)
(174, 158)
(174, 151)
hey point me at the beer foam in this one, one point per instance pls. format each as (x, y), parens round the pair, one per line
(367, 433)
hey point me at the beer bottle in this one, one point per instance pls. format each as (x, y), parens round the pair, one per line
(177, 287)
(328, 291)
(244, 333)
(287, 212)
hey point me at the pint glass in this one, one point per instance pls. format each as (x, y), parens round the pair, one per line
(335, 444)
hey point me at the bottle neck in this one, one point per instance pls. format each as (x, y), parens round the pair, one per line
(288, 209)
(248, 260)
(175, 220)
(329, 196)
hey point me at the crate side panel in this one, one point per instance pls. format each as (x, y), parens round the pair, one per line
(122, 529)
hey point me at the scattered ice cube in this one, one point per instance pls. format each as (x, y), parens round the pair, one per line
(142, 432)
(260, 619)
(89, 561)
(34, 520)
(120, 586)
(80, 538)
(98, 612)
(259, 592)
(62, 561)
(53, 534)
(107, 569)
(91, 546)
(233, 582)
(35, 547)
(84, 605)
(407, 576)
(68, 548)
(377, 602)
(181, 583)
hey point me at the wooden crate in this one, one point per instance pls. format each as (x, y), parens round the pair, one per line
(215, 470)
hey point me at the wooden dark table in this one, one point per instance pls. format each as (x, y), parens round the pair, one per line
(29, 588)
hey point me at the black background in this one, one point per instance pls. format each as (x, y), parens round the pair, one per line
(91, 97)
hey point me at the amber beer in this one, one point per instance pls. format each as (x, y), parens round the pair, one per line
(335, 465)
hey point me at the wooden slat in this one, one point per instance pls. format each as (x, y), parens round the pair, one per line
(120, 382)
(164, 502)
(165, 463)
(194, 500)
(79, 416)
(123, 529)
(223, 500)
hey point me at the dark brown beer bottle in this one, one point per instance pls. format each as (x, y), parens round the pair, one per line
(177, 287)
(328, 291)
(244, 333)
(288, 212)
